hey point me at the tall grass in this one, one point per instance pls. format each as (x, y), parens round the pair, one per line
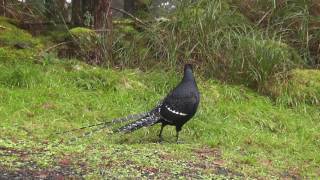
(222, 42)
(295, 21)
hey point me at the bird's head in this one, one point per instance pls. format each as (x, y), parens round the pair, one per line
(188, 67)
(188, 73)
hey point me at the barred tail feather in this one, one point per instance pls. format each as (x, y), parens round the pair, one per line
(114, 121)
(86, 134)
(143, 122)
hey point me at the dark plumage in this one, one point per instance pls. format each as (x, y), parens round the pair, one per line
(176, 109)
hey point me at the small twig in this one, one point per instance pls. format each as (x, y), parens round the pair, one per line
(2, 27)
(130, 15)
(263, 17)
(102, 30)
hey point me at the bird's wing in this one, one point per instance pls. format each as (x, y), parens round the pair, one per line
(177, 106)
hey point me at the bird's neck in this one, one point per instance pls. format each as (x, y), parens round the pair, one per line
(188, 76)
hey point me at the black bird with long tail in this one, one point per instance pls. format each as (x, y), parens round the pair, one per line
(177, 108)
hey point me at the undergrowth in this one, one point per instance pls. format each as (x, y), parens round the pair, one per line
(295, 21)
(221, 41)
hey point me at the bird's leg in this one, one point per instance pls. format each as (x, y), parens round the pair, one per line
(178, 129)
(160, 134)
(177, 137)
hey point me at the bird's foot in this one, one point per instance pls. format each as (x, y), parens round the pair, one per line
(160, 141)
(179, 142)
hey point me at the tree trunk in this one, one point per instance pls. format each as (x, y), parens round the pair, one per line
(3, 4)
(103, 23)
(103, 15)
(77, 13)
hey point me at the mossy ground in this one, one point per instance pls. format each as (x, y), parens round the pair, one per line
(10, 35)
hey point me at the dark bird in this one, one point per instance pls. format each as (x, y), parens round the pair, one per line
(177, 108)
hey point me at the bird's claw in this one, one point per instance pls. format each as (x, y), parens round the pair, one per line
(179, 142)
(160, 141)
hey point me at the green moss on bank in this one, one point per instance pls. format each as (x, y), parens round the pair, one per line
(10, 35)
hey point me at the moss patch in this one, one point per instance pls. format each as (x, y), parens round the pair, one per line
(85, 37)
(10, 35)
(85, 44)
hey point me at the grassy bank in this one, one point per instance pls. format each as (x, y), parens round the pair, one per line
(235, 133)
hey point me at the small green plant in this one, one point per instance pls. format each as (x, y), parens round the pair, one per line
(88, 19)
(91, 80)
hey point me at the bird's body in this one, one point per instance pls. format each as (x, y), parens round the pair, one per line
(179, 106)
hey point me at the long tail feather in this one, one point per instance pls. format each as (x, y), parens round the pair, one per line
(144, 119)
(114, 121)
(148, 120)
(87, 134)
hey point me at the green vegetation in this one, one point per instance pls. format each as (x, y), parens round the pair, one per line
(10, 35)
(237, 133)
(224, 43)
(84, 42)
(295, 21)
(303, 86)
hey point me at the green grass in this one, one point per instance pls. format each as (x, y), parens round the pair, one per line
(302, 86)
(235, 128)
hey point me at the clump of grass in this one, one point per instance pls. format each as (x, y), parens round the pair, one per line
(258, 61)
(11, 56)
(223, 42)
(20, 76)
(295, 21)
(302, 86)
(90, 80)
